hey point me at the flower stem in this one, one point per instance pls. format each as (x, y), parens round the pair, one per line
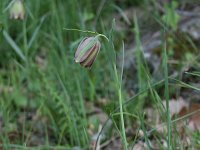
(123, 132)
(86, 31)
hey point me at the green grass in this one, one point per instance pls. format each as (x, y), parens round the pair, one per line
(44, 93)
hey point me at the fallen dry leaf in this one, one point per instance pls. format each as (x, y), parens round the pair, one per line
(176, 106)
(188, 116)
(140, 146)
(194, 120)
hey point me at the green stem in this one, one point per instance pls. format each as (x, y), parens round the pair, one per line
(122, 119)
(102, 35)
(121, 112)
(167, 97)
(86, 31)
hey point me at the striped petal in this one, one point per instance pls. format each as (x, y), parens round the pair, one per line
(87, 51)
(90, 59)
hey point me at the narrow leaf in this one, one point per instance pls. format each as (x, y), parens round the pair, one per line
(14, 45)
(34, 35)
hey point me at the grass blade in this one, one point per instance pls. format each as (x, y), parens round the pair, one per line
(36, 32)
(165, 59)
(14, 45)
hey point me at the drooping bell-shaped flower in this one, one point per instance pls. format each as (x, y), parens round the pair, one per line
(17, 10)
(87, 51)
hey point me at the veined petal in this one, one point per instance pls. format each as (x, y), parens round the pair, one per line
(17, 10)
(84, 48)
(80, 47)
(90, 59)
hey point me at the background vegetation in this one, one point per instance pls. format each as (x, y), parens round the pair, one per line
(47, 101)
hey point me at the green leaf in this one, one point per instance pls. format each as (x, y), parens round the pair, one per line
(14, 45)
(35, 33)
(171, 18)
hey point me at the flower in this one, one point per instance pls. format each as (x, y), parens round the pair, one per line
(17, 10)
(87, 51)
